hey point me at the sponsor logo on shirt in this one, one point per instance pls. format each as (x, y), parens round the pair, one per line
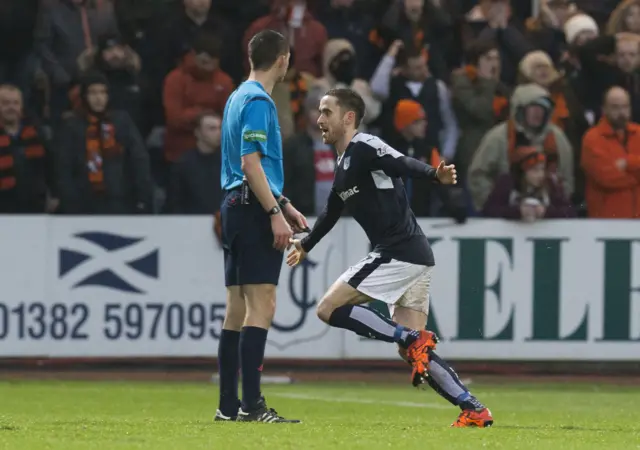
(344, 195)
(255, 136)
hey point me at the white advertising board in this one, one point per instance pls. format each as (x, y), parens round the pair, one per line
(133, 287)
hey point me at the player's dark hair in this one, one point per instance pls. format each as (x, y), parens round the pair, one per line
(205, 114)
(265, 48)
(349, 100)
(206, 42)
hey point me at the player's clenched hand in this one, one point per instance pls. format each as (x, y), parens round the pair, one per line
(296, 255)
(295, 218)
(281, 232)
(447, 174)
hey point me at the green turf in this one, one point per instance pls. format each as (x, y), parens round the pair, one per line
(95, 415)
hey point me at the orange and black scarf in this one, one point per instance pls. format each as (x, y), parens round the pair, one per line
(549, 144)
(101, 145)
(377, 40)
(560, 114)
(29, 140)
(298, 89)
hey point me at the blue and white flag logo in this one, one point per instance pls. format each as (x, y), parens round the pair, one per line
(112, 261)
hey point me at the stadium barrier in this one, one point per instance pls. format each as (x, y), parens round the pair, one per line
(138, 287)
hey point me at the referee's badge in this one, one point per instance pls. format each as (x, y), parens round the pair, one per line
(346, 162)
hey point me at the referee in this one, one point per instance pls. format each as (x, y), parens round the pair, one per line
(257, 224)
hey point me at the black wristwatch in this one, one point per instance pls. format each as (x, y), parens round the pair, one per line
(284, 201)
(275, 210)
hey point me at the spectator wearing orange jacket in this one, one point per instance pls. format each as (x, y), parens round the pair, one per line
(611, 161)
(196, 86)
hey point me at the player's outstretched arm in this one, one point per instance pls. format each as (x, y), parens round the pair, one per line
(395, 164)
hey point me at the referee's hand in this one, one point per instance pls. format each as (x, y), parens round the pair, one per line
(282, 232)
(296, 219)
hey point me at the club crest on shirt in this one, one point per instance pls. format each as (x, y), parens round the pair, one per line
(346, 162)
(382, 150)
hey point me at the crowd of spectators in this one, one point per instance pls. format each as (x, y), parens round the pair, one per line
(114, 106)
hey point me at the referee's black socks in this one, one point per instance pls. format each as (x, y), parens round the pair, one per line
(253, 341)
(228, 367)
(369, 323)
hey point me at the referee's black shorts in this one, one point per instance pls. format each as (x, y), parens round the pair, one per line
(247, 240)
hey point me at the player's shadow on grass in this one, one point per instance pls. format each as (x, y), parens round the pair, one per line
(8, 428)
(566, 428)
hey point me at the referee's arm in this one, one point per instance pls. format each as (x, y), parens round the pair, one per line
(256, 115)
(252, 168)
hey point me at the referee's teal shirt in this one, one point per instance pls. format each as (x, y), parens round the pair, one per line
(250, 124)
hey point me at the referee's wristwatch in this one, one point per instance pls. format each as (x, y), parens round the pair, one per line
(275, 210)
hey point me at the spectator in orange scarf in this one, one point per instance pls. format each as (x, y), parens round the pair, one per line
(568, 113)
(103, 166)
(528, 192)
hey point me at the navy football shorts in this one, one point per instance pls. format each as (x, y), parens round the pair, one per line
(247, 240)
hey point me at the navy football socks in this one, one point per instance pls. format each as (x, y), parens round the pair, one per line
(228, 367)
(369, 323)
(445, 381)
(253, 341)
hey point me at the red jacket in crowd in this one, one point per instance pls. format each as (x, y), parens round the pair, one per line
(189, 91)
(612, 192)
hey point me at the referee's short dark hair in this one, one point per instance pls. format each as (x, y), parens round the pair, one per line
(265, 48)
(349, 100)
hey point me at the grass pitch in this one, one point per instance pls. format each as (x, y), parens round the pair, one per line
(158, 416)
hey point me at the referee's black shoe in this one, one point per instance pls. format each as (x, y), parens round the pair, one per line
(262, 414)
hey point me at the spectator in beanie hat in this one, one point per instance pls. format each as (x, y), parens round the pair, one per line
(103, 166)
(340, 70)
(580, 29)
(410, 122)
(529, 126)
(568, 113)
(528, 192)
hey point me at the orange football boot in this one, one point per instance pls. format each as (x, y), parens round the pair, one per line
(472, 418)
(418, 356)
